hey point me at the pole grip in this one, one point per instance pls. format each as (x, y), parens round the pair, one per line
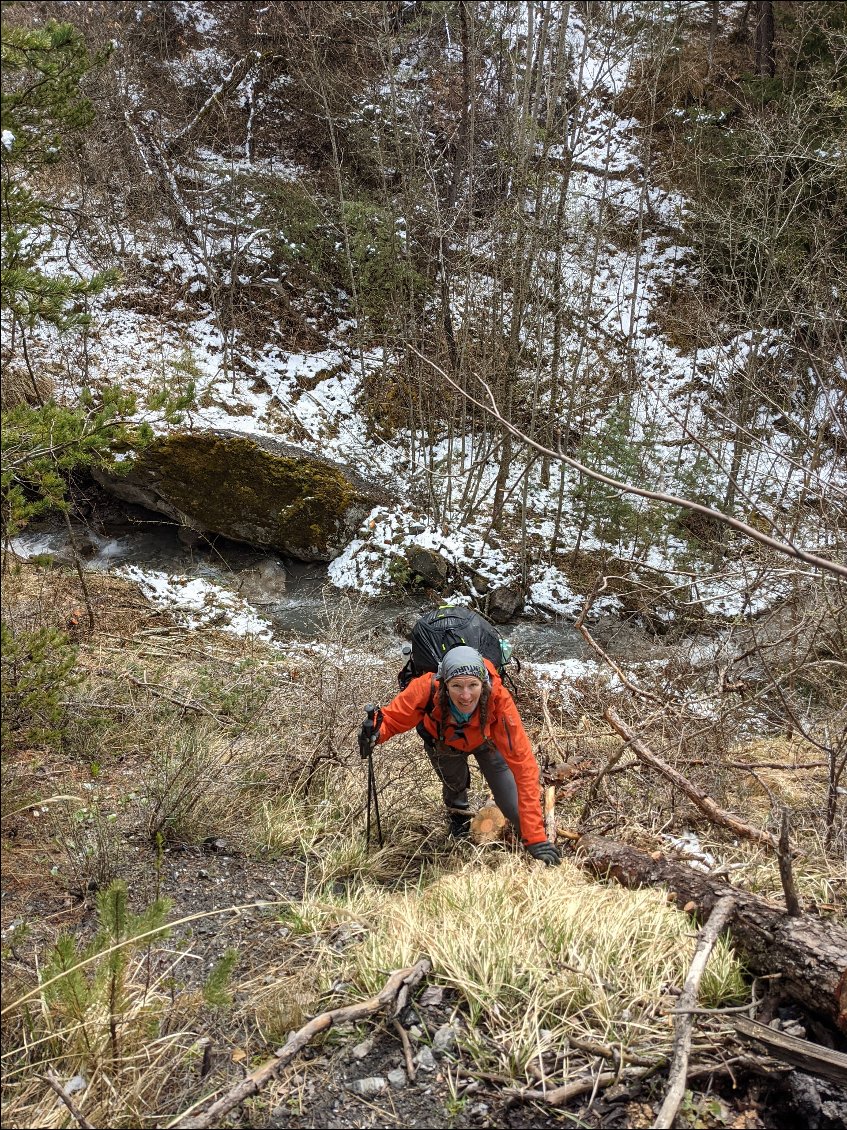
(366, 744)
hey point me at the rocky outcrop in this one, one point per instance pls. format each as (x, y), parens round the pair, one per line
(503, 603)
(428, 564)
(252, 489)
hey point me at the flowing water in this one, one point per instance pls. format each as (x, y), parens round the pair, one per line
(292, 596)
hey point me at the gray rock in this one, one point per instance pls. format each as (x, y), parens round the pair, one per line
(504, 602)
(480, 583)
(265, 583)
(363, 1049)
(425, 1060)
(431, 996)
(397, 1078)
(444, 1040)
(372, 1085)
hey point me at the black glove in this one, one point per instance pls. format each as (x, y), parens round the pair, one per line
(369, 731)
(545, 851)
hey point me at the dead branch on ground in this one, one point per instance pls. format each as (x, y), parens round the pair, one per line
(721, 913)
(705, 803)
(396, 991)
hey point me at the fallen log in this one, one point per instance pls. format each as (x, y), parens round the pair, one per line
(810, 955)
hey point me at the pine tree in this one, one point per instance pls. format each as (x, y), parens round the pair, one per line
(42, 107)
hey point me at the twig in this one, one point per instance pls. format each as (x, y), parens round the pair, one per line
(774, 765)
(704, 803)
(407, 1049)
(51, 1081)
(548, 722)
(186, 704)
(561, 1095)
(786, 871)
(550, 813)
(396, 989)
(722, 911)
(710, 1011)
(595, 784)
(606, 1051)
(579, 624)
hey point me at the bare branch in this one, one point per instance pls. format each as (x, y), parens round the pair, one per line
(395, 990)
(722, 911)
(703, 802)
(751, 532)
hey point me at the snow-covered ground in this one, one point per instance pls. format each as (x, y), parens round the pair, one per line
(312, 397)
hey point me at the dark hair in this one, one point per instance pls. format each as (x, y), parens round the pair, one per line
(482, 705)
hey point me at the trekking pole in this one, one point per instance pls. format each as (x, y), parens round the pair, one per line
(373, 797)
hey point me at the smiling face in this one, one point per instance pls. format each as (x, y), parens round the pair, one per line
(464, 692)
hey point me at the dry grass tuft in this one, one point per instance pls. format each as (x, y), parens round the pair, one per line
(528, 950)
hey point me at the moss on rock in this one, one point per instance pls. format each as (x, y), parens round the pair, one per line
(253, 489)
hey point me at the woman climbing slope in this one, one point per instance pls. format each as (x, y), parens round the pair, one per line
(465, 710)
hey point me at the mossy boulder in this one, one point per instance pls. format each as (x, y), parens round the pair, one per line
(253, 489)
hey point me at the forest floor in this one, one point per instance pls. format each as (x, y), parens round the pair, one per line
(299, 906)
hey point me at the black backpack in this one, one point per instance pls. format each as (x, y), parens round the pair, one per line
(446, 627)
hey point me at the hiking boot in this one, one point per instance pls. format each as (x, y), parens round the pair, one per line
(460, 825)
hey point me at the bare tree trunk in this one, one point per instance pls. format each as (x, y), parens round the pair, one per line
(714, 16)
(765, 32)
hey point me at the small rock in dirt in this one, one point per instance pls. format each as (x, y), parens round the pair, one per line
(363, 1049)
(397, 1078)
(431, 996)
(415, 1033)
(408, 1016)
(372, 1085)
(425, 1060)
(444, 1040)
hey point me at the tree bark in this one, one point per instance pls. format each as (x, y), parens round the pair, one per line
(810, 955)
(765, 33)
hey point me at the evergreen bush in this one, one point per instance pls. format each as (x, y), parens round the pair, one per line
(38, 668)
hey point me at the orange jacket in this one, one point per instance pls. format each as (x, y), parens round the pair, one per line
(504, 730)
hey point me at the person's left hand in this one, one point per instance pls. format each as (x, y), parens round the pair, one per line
(548, 853)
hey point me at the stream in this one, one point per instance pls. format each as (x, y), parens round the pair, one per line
(292, 598)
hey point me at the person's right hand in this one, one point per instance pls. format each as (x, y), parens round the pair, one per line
(369, 733)
(548, 853)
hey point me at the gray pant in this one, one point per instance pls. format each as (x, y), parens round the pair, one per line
(451, 765)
